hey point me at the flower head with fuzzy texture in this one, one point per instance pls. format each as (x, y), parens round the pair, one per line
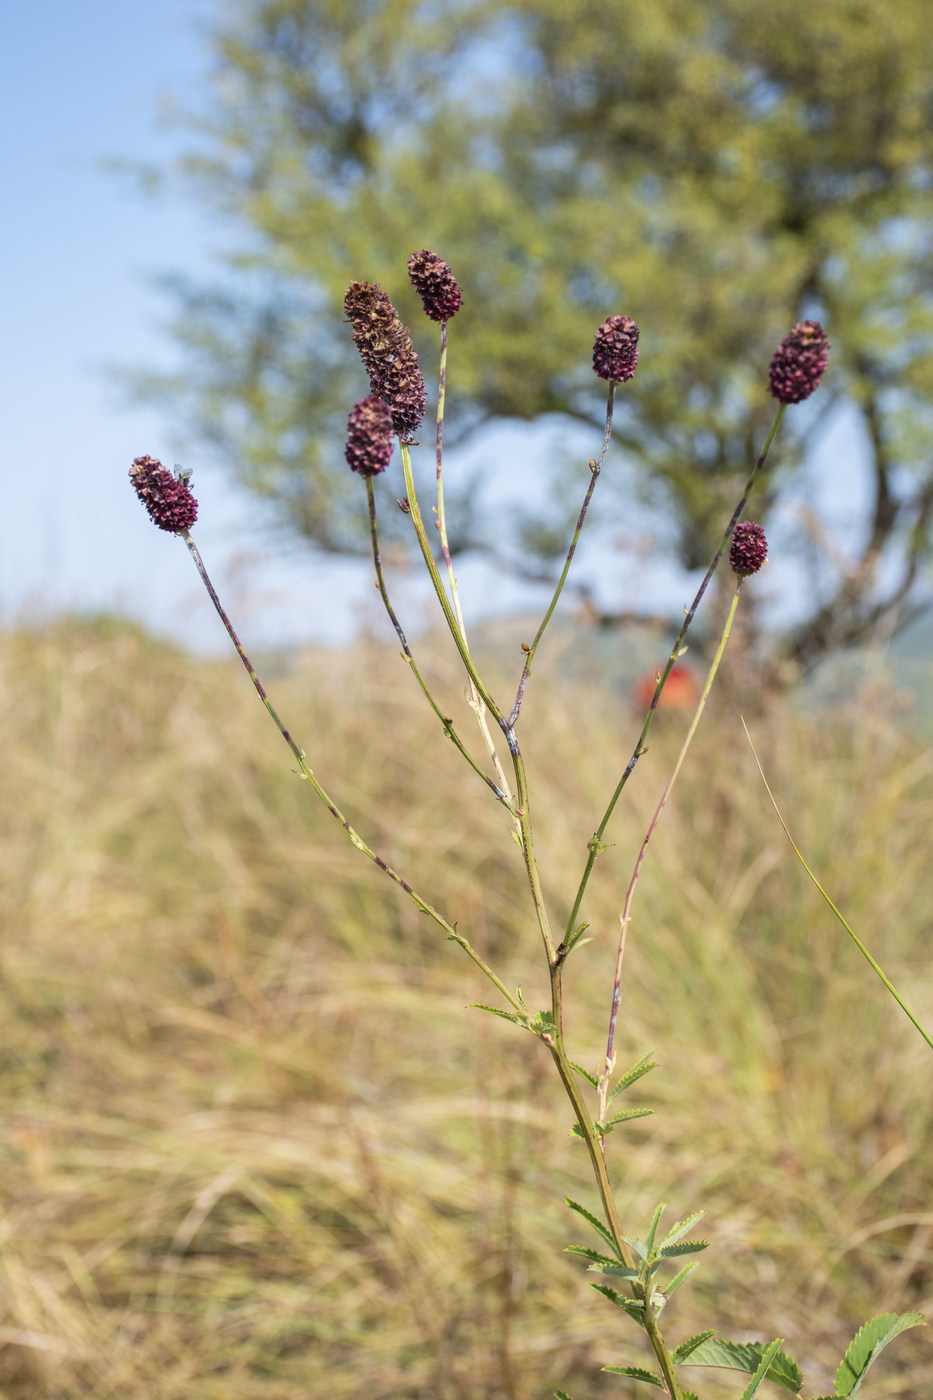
(369, 437)
(749, 549)
(166, 496)
(388, 355)
(615, 352)
(798, 363)
(435, 284)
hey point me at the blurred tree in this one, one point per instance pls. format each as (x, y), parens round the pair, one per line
(716, 169)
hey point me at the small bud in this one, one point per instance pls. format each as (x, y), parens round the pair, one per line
(798, 363)
(615, 352)
(435, 284)
(749, 549)
(369, 437)
(167, 497)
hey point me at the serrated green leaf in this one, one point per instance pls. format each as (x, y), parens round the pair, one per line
(674, 1251)
(653, 1227)
(593, 1255)
(637, 1245)
(516, 1017)
(591, 1079)
(632, 1306)
(576, 939)
(618, 1271)
(596, 1223)
(680, 1278)
(561, 1395)
(761, 1374)
(686, 1348)
(683, 1227)
(644, 1066)
(866, 1346)
(623, 1117)
(635, 1373)
(746, 1356)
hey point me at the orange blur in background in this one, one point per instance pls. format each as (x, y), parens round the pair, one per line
(682, 691)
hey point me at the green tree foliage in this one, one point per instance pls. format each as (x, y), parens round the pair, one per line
(716, 169)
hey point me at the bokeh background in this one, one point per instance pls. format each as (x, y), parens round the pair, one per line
(253, 1142)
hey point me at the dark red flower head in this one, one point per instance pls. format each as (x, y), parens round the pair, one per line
(615, 352)
(167, 497)
(388, 355)
(749, 549)
(435, 284)
(370, 437)
(798, 363)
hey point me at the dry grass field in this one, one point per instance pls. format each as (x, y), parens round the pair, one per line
(253, 1144)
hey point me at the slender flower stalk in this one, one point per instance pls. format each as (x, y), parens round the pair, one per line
(475, 701)
(522, 803)
(445, 720)
(308, 774)
(626, 915)
(596, 466)
(450, 617)
(595, 845)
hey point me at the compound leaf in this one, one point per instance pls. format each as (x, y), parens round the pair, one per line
(866, 1346)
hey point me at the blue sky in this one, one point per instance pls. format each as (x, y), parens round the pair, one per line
(84, 86)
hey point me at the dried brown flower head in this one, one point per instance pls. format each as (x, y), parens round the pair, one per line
(370, 436)
(798, 363)
(615, 352)
(166, 496)
(435, 284)
(388, 355)
(749, 549)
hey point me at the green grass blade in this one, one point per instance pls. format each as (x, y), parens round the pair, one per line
(851, 932)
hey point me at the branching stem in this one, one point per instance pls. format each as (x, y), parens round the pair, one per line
(596, 466)
(626, 915)
(307, 773)
(595, 844)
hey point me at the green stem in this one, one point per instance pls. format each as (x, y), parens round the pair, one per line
(596, 467)
(445, 720)
(449, 616)
(526, 837)
(307, 772)
(476, 704)
(595, 844)
(626, 915)
(596, 1150)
